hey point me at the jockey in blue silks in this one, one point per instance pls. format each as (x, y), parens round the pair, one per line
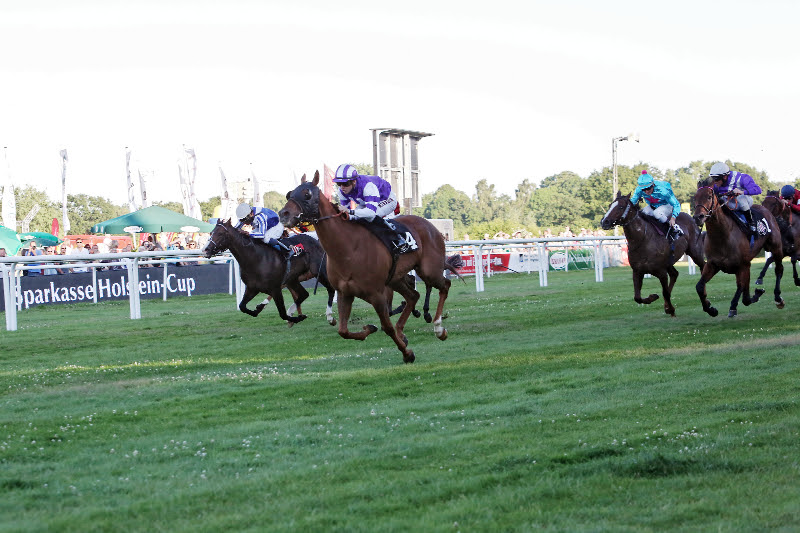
(660, 201)
(265, 223)
(739, 186)
(367, 197)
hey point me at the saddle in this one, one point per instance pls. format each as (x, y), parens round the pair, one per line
(762, 227)
(662, 228)
(296, 248)
(389, 231)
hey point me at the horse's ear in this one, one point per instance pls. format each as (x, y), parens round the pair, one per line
(303, 179)
(316, 178)
(288, 195)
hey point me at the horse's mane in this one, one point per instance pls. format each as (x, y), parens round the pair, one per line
(705, 182)
(773, 193)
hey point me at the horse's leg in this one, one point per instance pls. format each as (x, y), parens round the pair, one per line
(779, 303)
(329, 309)
(767, 263)
(443, 284)
(709, 270)
(666, 288)
(249, 294)
(382, 308)
(345, 305)
(277, 295)
(426, 306)
(638, 275)
(411, 297)
(794, 271)
(299, 294)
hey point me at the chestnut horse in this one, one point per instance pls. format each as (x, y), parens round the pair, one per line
(727, 248)
(263, 269)
(651, 253)
(789, 225)
(359, 265)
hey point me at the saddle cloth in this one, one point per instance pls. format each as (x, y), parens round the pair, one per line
(762, 227)
(389, 237)
(296, 247)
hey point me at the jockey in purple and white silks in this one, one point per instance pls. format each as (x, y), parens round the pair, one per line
(659, 200)
(739, 186)
(265, 223)
(367, 197)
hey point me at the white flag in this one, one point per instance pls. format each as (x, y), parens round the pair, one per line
(227, 207)
(65, 225)
(142, 187)
(258, 199)
(184, 189)
(191, 173)
(9, 201)
(131, 192)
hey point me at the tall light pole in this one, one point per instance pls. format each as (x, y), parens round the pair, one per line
(614, 141)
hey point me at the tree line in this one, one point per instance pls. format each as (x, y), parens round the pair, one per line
(560, 200)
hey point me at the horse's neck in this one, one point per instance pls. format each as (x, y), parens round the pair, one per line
(237, 247)
(331, 231)
(720, 224)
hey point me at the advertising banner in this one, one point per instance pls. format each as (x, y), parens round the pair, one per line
(78, 287)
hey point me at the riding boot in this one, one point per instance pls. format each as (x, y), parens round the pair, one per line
(400, 244)
(751, 225)
(282, 248)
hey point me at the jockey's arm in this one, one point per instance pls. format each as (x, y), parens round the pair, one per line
(259, 226)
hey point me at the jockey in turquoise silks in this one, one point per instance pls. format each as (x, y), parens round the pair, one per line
(660, 201)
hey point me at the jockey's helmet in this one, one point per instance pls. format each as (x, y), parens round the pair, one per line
(242, 210)
(719, 171)
(787, 192)
(645, 180)
(345, 173)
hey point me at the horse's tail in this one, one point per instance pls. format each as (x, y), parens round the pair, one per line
(453, 263)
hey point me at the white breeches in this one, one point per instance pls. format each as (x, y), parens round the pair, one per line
(742, 202)
(661, 213)
(274, 232)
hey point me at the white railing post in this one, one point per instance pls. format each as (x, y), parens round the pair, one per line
(478, 251)
(10, 296)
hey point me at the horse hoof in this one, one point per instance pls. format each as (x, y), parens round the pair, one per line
(797, 282)
(712, 311)
(332, 322)
(289, 323)
(428, 318)
(416, 313)
(732, 313)
(372, 329)
(760, 281)
(409, 358)
(443, 335)
(757, 294)
(780, 304)
(300, 318)
(670, 312)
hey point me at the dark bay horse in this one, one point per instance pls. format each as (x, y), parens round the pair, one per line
(727, 248)
(789, 225)
(359, 264)
(263, 269)
(651, 253)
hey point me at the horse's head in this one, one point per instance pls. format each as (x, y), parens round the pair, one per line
(773, 203)
(219, 239)
(618, 213)
(705, 202)
(302, 204)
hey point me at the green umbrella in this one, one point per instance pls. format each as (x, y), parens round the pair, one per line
(39, 237)
(153, 219)
(9, 240)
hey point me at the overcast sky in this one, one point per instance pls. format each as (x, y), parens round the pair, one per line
(511, 89)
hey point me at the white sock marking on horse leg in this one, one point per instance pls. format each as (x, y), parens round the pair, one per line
(266, 300)
(291, 310)
(329, 314)
(437, 327)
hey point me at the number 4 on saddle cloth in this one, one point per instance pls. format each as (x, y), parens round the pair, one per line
(394, 235)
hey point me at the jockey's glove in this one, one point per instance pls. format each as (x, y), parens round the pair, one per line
(352, 214)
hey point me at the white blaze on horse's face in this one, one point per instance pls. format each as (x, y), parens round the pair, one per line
(610, 209)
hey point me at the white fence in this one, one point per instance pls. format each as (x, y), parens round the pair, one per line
(529, 255)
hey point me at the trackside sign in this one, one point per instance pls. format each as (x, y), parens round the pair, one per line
(80, 287)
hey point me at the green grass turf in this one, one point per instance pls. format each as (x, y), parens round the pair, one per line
(564, 408)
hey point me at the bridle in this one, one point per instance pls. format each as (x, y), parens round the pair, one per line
(305, 207)
(623, 219)
(715, 203)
